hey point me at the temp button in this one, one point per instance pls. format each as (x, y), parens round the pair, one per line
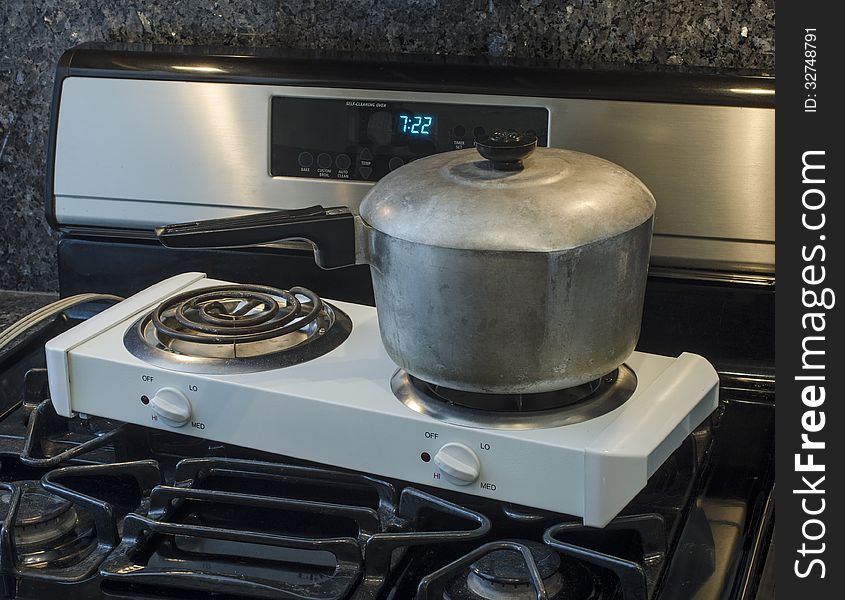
(305, 159)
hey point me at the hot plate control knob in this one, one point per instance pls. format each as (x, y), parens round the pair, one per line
(458, 463)
(171, 406)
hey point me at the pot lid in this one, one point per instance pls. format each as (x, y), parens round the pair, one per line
(508, 195)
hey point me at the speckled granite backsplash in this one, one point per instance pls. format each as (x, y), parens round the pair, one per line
(34, 33)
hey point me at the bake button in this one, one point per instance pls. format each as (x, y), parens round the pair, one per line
(395, 163)
(343, 161)
(306, 159)
(365, 172)
(324, 161)
(365, 154)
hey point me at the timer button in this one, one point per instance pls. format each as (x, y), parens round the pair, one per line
(395, 163)
(365, 172)
(324, 160)
(306, 159)
(343, 161)
(460, 131)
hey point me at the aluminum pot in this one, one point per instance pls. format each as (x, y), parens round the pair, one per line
(519, 271)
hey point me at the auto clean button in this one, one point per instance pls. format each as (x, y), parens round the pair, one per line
(458, 463)
(171, 406)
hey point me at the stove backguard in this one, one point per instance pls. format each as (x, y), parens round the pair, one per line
(146, 136)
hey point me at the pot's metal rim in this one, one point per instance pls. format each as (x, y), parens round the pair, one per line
(596, 406)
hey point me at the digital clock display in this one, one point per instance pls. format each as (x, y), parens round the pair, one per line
(362, 139)
(415, 125)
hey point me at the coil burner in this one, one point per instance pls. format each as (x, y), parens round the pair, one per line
(237, 329)
(516, 411)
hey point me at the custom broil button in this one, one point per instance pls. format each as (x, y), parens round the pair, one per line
(395, 162)
(324, 160)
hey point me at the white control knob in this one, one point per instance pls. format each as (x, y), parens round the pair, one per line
(172, 406)
(460, 464)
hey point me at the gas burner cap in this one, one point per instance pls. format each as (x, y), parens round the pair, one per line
(516, 411)
(48, 530)
(237, 329)
(503, 574)
(508, 566)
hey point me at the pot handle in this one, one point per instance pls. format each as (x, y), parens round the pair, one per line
(331, 231)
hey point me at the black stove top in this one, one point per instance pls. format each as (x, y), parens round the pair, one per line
(97, 509)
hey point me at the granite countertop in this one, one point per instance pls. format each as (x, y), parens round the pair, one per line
(16, 305)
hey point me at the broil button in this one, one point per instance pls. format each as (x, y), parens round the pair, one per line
(171, 406)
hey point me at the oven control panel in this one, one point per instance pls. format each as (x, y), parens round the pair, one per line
(364, 140)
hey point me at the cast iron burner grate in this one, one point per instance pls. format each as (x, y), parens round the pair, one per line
(248, 528)
(237, 329)
(57, 530)
(573, 563)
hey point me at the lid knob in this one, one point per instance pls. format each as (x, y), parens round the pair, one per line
(506, 149)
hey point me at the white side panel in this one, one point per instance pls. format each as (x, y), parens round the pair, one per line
(643, 436)
(58, 349)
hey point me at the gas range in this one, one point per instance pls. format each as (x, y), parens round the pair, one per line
(100, 500)
(104, 509)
